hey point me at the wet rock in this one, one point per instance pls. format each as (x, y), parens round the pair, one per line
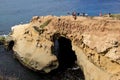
(2, 40)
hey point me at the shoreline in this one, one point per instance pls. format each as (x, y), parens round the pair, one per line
(34, 43)
(11, 69)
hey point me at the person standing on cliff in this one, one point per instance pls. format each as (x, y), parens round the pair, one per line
(109, 14)
(100, 14)
(74, 15)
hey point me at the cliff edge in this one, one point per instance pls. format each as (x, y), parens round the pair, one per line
(94, 40)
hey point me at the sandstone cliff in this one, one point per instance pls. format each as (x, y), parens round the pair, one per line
(96, 42)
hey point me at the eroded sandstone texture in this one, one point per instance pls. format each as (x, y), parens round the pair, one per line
(96, 42)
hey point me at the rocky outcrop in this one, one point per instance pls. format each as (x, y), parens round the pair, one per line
(95, 42)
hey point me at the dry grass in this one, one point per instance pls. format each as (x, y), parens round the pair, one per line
(116, 16)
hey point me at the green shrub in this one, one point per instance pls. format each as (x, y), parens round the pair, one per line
(45, 23)
(40, 29)
(2, 39)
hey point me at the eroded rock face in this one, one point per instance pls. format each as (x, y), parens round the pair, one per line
(95, 42)
(33, 49)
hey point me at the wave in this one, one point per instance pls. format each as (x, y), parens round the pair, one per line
(3, 33)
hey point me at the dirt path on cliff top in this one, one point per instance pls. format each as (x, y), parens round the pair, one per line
(11, 69)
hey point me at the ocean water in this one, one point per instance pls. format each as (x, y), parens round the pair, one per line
(13, 12)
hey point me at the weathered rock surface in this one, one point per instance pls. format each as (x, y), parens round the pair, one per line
(96, 42)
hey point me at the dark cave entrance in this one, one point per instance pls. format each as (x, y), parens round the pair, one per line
(66, 58)
(63, 50)
(10, 45)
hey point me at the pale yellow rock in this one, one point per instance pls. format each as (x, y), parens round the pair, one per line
(34, 51)
(95, 40)
(91, 71)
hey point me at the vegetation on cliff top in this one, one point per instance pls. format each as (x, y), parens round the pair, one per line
(40, 28)
(45, 23)
(117, 16)
(114, 16)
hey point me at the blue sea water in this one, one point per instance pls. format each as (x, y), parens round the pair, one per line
(13, 12)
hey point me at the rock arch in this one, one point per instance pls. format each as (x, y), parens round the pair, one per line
(91, 38)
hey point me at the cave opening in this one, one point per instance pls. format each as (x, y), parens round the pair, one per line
(10, 45)
(63, 50)
(66, 58)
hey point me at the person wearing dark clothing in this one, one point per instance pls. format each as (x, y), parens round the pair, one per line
(74, 15)
(78, 14)
(109, 14)
(83, 14)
